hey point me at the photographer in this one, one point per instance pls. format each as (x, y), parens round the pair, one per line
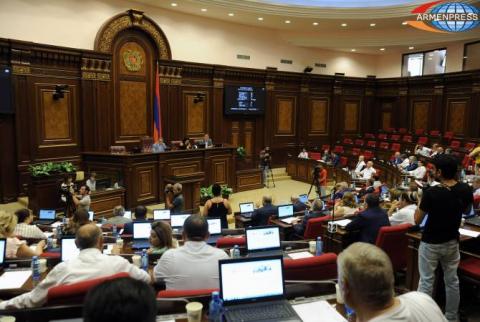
(174, 198)
(265, 163)
(83, 200)
(320, 180)
(66, 196)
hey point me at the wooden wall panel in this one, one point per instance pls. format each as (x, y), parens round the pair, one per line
(351, 113)
(421, 110)
(318, 117)
(56, 118)
(196, 113)
(386, 120)
(234, 133)
(457, 116)
(285, 116)
(248, 138)
(133, 109)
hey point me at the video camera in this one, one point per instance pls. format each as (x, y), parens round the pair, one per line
(169, 188)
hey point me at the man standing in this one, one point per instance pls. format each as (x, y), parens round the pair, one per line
(84, 201)
(265, 163)
(207, 141)
(444, 204)
(174, 199)
(360, 165)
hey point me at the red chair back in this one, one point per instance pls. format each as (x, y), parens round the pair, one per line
(356, 151)
(343, 162)
(315, 268)
(371, 144)
(369, 136)
(347, 141)
(407, 138)
(476, 202)
(314, 227)
(448, 135)
(395, 137)
(419, 131)
(382, 136)
(402, 130)
(434, 133)
(338, 149)
(185, 293)
(326, 147)
(315, 155)
(455, 144)
(395, 147)
(422, 140)
(470, 267)
(368, 154)
(229, 242)
(393, 240)
(384, 145)
(75, 293)
(359, 142)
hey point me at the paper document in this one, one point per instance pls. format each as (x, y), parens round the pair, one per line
(470, 233)
(343, 222)
(299, 255)
(289, 220)
(56, 224)
(318, 311)
(14, 279)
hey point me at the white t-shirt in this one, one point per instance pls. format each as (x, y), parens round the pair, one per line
(414, 307)
(360, 166)
(404, 215)
(367, 173)
(419, 172)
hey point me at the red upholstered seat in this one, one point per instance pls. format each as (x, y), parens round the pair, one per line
(395, 147)
(435, 133)
(356, 151)
(185, 293)
(393, 240)
(476, 202)
(372, 144)
(407, 138)
(326, 147)
(391, 130)
(315, 155)
(315, 268)
(359, 142)
(395, 137)
(384, 145)
(422, 140)
(368, 154)
(50, 255)
(470, 267)
(347, 141)
(314, 227)
(369, 136)
(455, 144)
(419, 131)
(382, 136)
(75, 293)
(343, 162)
(402, 130)
(448, 135)
(228, 242)
(338, 149)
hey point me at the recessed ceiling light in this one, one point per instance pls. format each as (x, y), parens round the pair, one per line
(260, 18)
(344, 25)
(173, 4)
(203, 9)
(465, 57)
(287, 21)
(353, 49)
(430, 58)
(411, 47)
(373, 24)
(382, 49)
(404, 23)
(315, 23)
(231, 14)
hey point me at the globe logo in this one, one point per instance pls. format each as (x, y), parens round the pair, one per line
(457, 25)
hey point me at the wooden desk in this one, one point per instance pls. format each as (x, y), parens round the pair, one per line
(240, 221)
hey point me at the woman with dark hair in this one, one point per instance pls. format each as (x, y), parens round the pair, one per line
(160, 238)
(217, 207)
(79, 218)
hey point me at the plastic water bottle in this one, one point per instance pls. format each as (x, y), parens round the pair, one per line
(215, 313)
(145, 260)
(319, 246)
(236, 252)
(35, 270)
(114, 230)
(350, 313)
(59, 232)
(49, 243)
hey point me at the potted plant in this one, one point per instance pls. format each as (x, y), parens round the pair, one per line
(226, 191)
(51, 168)
(241, 153)
(205, 194)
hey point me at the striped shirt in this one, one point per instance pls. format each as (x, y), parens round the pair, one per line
(28, 231)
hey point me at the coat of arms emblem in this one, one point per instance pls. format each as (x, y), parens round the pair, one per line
(133, 60)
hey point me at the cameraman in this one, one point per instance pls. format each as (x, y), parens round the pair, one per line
(66, 196)
(320, 180)
(265, 163)
(174, 198)
(83, 200)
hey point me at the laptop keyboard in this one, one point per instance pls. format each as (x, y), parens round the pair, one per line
(267, 311)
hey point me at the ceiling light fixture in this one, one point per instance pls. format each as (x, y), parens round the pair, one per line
(315, 23)
(287, 21)
(173, 4)
(260, 18)
(344, 25)
(404, 23)
(231, 14)
(373, 24)
(382, 49)
(411, 47)
(353, 50)
(203, 9)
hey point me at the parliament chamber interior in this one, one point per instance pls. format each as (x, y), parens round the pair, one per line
(227, 160)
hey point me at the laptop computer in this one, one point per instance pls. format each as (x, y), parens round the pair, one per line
(91, 214)
(215, 230)
(161, 214)
(285, 213)
(253, 289)
(303, 198)
(127, 214)
(263, 241)
(141, 234)
(475, 221)
(246, 209)
(46, 217)
(68, 249)
(3, 248)
(176, 221)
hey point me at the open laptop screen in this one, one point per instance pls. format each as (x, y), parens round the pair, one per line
(214, 226)
(249, 279)
(141, 230)
(178, 220)
(263, 238)
(47, 214)
(90, 215)
(285, 211)
(3, 245)
(127, 214)
(161, 214)
(246, 207)
(69, 249)
(303, 198)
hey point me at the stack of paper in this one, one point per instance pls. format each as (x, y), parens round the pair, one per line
(469, 233)
(318, 311)
(343, 222)
(299, 255)
(14, 279)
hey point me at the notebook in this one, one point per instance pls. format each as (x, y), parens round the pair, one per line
(161, 214)
(176, 221)
(263, 241)
(253, 289)
(215, 230)
(246, 209)
(68, 249)
(46, 217)
(141, 235)
(285, 213)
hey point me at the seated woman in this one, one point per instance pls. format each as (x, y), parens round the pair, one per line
(160, 238)
(24, 226)
(79, 218)
(217, 207)
(347, 206)
(299, 225)
(403, 210)
(15, 247)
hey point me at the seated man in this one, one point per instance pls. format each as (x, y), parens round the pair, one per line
(207, 141)
(369, 221)
(118, 219)
(24, 227)
(476, 187)
(299, 225)
(140, 215)
(195, 264)
(260, 216)
(413, 164)
(360, 165)
(366, 282)
(89, 264)
(419, 172)
(159, 146)
(368, 172)
(297, 204)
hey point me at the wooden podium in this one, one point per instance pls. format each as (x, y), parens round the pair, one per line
(190, 188)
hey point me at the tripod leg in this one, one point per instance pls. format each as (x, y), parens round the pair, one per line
(273, 180)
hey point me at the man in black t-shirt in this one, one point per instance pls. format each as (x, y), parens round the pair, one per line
(444, 205)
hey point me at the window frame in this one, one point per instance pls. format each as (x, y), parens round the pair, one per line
(423, 52)
(465, 45)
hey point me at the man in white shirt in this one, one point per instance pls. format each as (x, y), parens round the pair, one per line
(366, 282)
(369, 171)
(84, 201)
(403, 210)
(405, 163)
(89, 264)
(419, 172)
(422, 150)
(195, 264)
(92, 182)
(360, 165)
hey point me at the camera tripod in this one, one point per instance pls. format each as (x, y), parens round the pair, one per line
(268, 176)
(317, 188)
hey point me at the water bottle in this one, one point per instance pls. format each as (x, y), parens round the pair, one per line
(319, 246)
(236, 252)
(59, 232)
(65, 221)
(35, 270)
(49, 243)
(145, 260)
(350, 313)
(114, 230)
(215, 313)
(306, 212)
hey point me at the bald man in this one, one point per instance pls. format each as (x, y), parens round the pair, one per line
(89, 264)
(260, 216)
